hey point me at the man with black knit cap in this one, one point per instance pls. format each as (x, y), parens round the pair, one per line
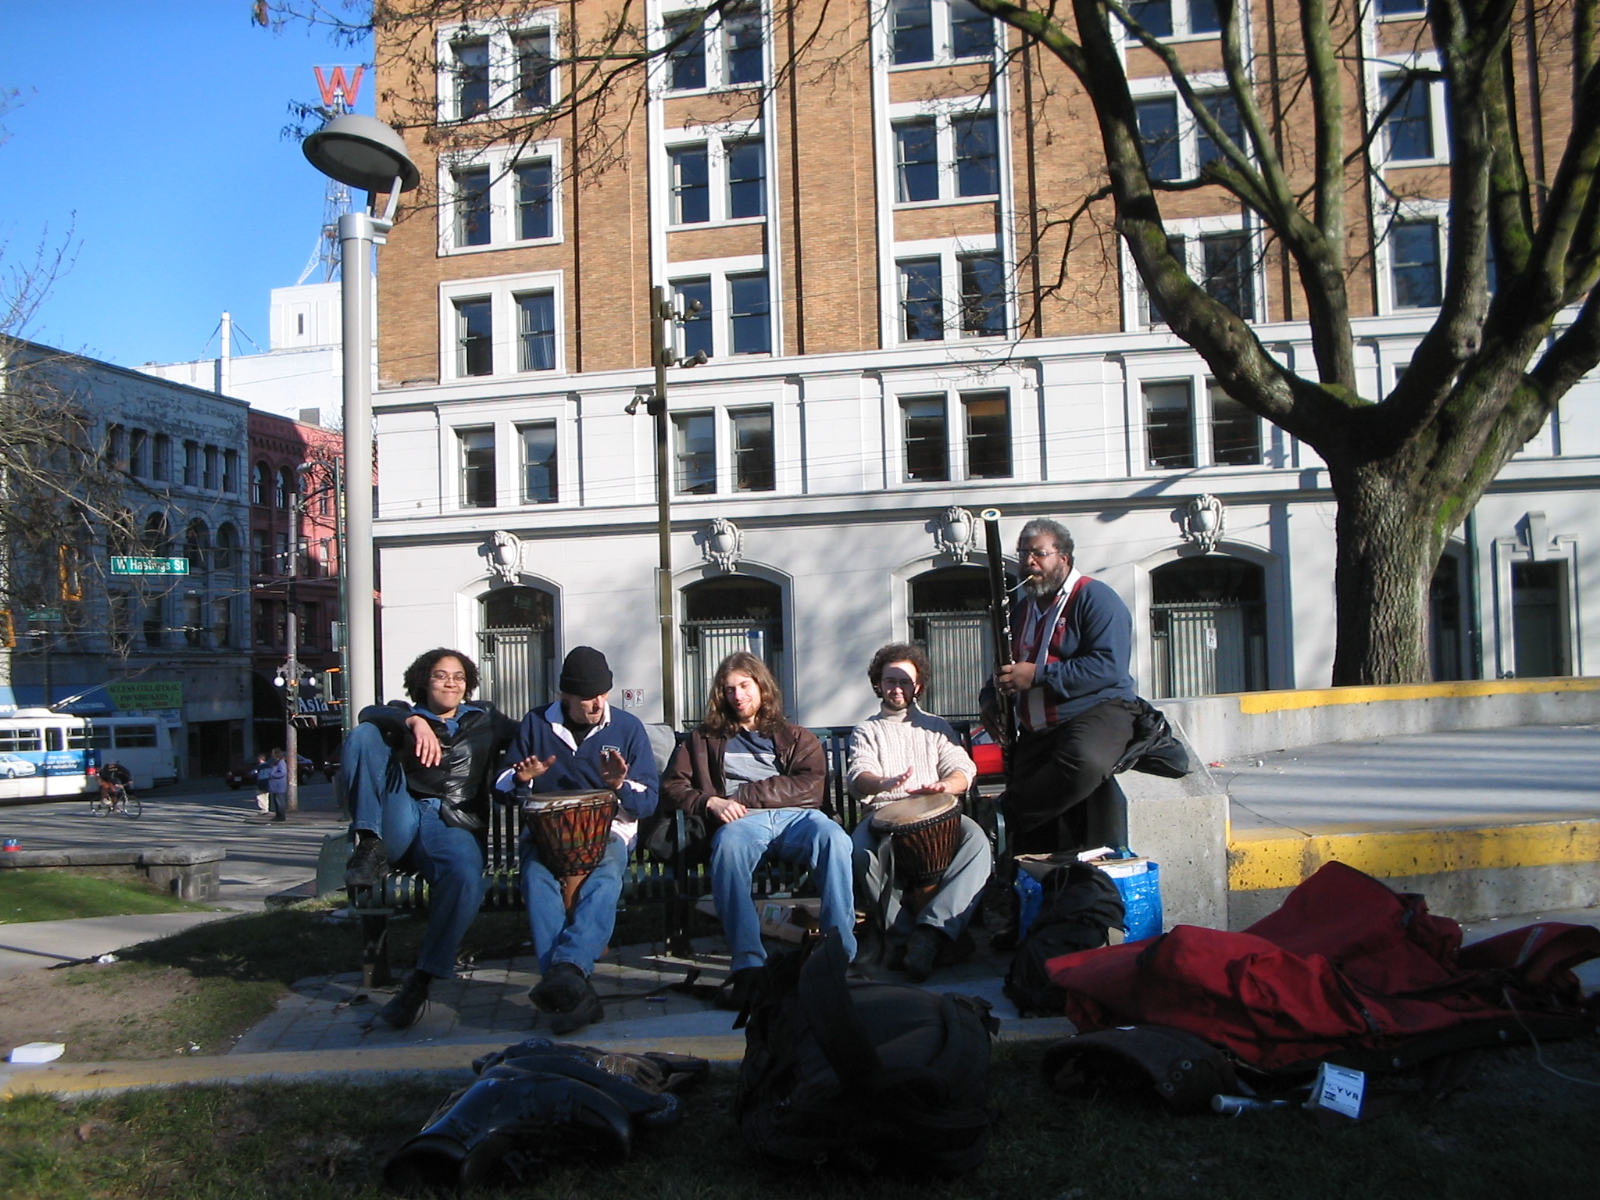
(579, 743)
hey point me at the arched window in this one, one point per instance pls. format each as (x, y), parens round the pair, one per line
(950, 620)
(197, 547)
(1208, 626)
(157, 538)
(261, 486)
(225, 557)
(121, 535)
(286, 489)
(517, 648)
(735, 612)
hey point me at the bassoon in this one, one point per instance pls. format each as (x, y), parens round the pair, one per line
(1000, 624)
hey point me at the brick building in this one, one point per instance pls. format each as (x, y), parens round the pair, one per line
(870, 202)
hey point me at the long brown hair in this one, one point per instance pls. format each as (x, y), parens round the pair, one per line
(721, 720)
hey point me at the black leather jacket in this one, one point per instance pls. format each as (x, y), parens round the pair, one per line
(467, 764)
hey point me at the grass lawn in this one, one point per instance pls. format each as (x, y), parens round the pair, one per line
(45, 895)
(331, 1140)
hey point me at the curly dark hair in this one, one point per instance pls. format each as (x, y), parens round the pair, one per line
(721, 720)
(900, 652)
(416, 676)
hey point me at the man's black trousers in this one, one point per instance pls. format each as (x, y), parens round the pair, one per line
(1053, 771)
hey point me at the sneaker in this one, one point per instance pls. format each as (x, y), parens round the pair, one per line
(585, 1012)
(402, 1012)
(368, 865)
(922, 952)
(561, 990)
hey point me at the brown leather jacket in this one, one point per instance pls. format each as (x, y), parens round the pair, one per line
(695, 773)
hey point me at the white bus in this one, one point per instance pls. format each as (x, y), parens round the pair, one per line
(44, 754)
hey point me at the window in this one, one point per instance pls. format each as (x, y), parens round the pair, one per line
(959, 290)
(921, 300)
(230, 472)
(1414, 263)
(750, 318)
(735, 313)
(117, 447)
(1223, 262)
(1225, 110)
(261, 492)
(717, 178)
(474, 337)
(194, 629)
(1235, 430)
(196, 546)
(470, 60)
(472, 207)
(1176, 18)
(532, 56)
(1408, 129)
(536, 331)
(728, 50)
(212, 462)
(694, 439)
(161, 458)
(1158, 134)
(1169, 425)
(1401, 8)
(261, 552)
(154, 624)
(753, 466)
(539, 479)
(221, 623)
(988, 432)
(139, 454)
(477, 467)
(927, 438)
(694, 301)
(191, 464)
(691, 185)
(286, 489)
(497, 67)
(225, 557)
(922, 32)
(943, 157)
(533, 201)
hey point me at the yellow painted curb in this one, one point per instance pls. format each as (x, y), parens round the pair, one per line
(1251, 703)
(1270, 860)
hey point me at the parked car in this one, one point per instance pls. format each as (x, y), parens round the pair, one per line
(244, 774)
(14, 767)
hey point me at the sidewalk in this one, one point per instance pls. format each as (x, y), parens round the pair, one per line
(36, 944)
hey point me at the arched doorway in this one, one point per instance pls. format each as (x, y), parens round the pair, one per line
(1208, 626)
(517, 648)
(733, 612)
(950, 620)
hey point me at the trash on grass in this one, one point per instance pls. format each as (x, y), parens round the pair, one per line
(38, 1052)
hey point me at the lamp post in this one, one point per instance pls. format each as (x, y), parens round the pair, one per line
(360, 152)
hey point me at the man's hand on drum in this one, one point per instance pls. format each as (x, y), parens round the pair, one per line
(427, 741)
(532, 767)
(613, 768)
(953, 784)
(725, 810)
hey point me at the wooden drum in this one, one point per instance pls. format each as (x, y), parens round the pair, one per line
(571, 831)
(926, 831)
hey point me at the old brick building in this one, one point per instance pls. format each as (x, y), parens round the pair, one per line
(911, 310)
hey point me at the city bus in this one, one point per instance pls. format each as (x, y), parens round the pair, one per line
(45, 755)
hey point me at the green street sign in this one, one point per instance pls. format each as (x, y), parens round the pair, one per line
(44, 614)
(126, 565)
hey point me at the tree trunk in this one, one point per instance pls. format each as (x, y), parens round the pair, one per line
(1387, 549)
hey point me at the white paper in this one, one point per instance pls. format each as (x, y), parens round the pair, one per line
(1338, 1089)
(38, 1052)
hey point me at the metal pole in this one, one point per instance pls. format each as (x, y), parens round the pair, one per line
(358, 233)
(660, 352)
(291, 669)
(346, 709)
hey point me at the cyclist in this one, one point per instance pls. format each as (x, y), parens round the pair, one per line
(114, 784)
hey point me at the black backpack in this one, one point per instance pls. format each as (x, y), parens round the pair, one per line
(878, 1075)
(1081, 904)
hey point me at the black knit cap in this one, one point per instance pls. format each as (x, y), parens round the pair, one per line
(585, 673)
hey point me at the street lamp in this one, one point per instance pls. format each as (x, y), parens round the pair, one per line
(360, 152)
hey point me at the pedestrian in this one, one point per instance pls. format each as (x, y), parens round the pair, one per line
(260, 771)
(278, 786)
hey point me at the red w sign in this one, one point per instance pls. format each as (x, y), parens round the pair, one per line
(337, 90)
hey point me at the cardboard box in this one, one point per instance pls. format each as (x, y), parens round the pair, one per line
(786, 920)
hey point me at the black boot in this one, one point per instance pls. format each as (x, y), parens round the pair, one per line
(922, 952)
(585, 1012)
(402, 1012)
(561, 990)
(369, 863)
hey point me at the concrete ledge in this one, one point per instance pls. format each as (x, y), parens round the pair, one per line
(1468, 874)
(1182, 824)
(190, 872)
(1245, 723)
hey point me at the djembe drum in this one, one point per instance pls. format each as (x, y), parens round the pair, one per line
(571, 831)
(926, 831)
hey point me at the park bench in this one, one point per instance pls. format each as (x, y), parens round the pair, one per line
(674, 885)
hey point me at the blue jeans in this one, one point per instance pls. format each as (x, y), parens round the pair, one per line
(801, 835)
(582, 938)
(450, 859)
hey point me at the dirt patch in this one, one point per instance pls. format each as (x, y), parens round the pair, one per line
(116, 1011)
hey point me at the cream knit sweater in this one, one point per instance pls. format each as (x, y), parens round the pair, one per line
(889, 742)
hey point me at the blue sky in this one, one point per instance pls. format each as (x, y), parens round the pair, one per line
(152, 131)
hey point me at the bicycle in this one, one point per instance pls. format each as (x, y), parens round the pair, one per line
(121, 801)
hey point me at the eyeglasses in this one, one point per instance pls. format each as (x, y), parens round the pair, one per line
(447, 677)
(1041, 555)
